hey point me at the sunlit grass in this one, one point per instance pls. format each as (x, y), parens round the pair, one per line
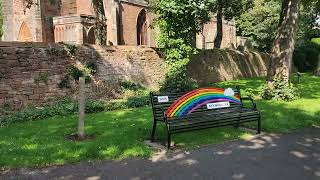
(120, 134)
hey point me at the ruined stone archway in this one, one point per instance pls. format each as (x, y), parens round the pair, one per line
(91, 38)
(24, 33)
(142, 28)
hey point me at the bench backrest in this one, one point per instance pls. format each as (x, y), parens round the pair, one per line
(196, 101)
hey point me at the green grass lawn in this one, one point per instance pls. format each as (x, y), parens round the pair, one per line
(120, 134)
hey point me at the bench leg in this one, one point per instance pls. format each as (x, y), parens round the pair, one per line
(259, 125)
(169, 140)
(153, 130)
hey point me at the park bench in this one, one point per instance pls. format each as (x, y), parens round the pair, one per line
(202, 109)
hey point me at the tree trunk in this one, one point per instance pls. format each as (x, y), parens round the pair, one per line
(283, 46)
(317, 72)
(81, 133)
(101, 29)
(218, 39)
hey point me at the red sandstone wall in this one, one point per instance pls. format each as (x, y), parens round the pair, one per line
(21, 64)
(218, 65)
(85, 7)
(128, 25)
(68, 7)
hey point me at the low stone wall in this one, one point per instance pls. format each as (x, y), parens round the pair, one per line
(220, 65)
(30, 73)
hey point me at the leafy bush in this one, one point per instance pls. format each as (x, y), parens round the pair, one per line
(68, 106)
(128, 85)
(75, 72)
(65, 83)
(138, 101)
(92, 67)
(61, 107)
(305, 57)
(94, 106)
(178, 81)
(281, 91)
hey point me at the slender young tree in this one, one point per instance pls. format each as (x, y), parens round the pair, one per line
(227, 9)
(283, 46)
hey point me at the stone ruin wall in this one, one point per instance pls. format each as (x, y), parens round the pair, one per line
(23, 64)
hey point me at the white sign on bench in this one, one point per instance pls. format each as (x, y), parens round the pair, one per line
(218, 105)
(163, 99)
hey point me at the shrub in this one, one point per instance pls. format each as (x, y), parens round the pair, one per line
(91, 67)
(94, 106)
(61, 107)
(128, 85)
(64, 83)
(178, 81)
(75, 73)
(305, 57)
(139, 101)
(281, 91)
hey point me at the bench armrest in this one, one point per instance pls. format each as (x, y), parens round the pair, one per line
(164, 115)
(254, 105)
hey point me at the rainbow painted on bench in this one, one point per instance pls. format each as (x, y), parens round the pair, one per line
(195, 99)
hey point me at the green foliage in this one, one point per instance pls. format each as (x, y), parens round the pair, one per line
(178, 81)
(316, 41)
(308, 27)
(70, 49)
(178, 22)
(42, 78)
(65, 83)
(63, 106)
(91, 67)
(75, 72)
(305, 56)
(231, 8)
(128, 85)
(55, 51)
(280, 91)
(260, 23)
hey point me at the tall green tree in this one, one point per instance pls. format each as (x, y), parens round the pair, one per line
(178, 22)
(260, 23)
(283, 45)
(227, 9)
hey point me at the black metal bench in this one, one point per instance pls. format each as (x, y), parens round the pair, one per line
(202, 109)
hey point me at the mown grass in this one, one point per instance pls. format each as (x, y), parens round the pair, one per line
(120, 134)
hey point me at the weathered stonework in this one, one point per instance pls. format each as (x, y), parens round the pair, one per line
(30, 73)
(223, 65)
(128, 23)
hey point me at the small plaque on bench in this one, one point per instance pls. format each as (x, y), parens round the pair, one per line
(163, 99)
(218, 105)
